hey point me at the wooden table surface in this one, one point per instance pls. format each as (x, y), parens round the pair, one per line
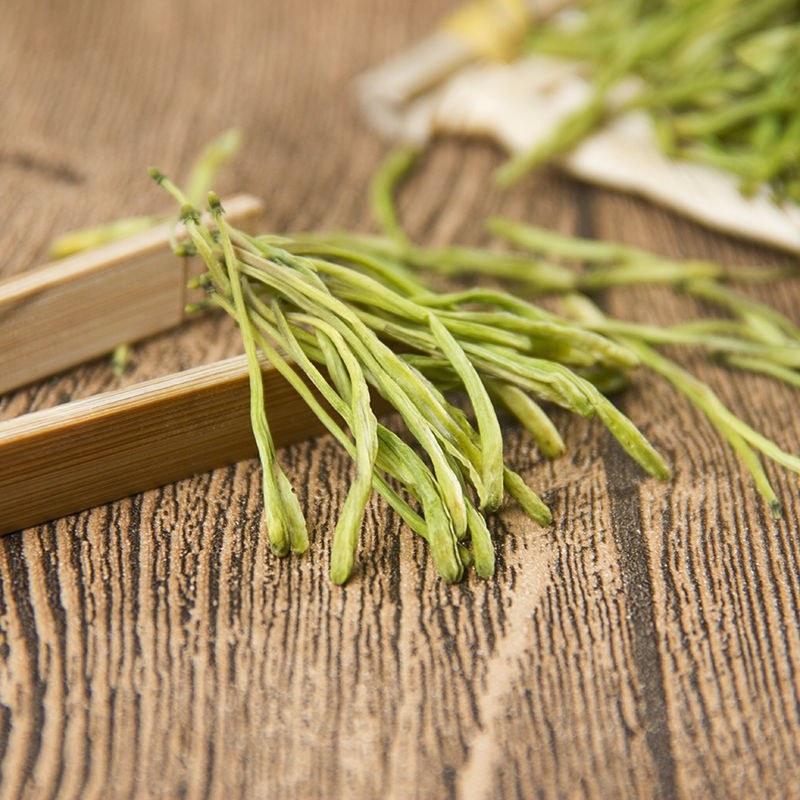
(646, 645)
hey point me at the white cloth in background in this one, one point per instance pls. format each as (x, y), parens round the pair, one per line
(437, 87)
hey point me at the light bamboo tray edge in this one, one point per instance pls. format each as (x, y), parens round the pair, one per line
(87, 452)
(83, 306)
(102, 448)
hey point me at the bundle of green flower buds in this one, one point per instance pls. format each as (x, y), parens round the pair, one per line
(346, 317)
(719, 78)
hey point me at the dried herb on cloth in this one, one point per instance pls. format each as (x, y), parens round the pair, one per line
(720, 80)
(689, 103)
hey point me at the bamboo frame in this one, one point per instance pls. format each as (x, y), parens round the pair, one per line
(88, 452)
(89, 303)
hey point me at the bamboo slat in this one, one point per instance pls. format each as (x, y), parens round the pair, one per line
(83, 453)
(111, 445)
(78, 308)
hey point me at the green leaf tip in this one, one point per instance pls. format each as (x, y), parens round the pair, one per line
(215, 204)
(185, 250)
(189, 213)
(156, 174)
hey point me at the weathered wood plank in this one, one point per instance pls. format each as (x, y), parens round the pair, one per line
(646, 646)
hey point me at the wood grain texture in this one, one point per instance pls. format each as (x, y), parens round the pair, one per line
(645, 646)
